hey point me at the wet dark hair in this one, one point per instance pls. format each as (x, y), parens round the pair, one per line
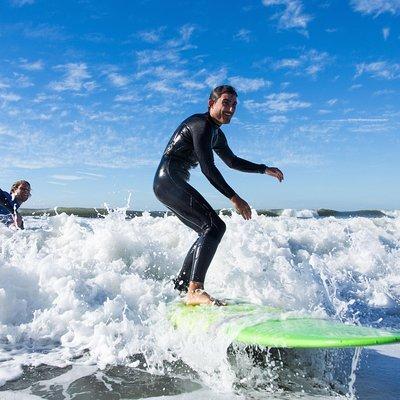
(17, 184)
(217, 92)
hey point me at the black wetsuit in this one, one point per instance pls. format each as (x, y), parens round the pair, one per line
(193, 143)
(8, 207)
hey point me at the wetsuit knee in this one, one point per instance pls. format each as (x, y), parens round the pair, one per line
(216, 229)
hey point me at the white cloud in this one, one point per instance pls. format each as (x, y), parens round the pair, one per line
(145, 57)
(92, 175)
(356, 124)
(285, 102)
(332, 102)
(97, 143)
(313, 69)
(44, 97)
(75, 78)
(376, 7)
(96, 37)
(9, 97)
(4, 131)
(41, 117)
(161, 72)
(330, 129)
(248, 85)
(287, 63)
(189, 84)
(162, 87)
(278, 119)
(379, 69)
(300, 158)
(105, 116)
(357, 120)
(30, 164)
(165, 70)
(355, 86)
(170, 50)
(127, 97)
(243, 35)
(278, 102)
(21, 3)
(384, 92)
(310, 62)
(67, 177)
(22, 81)
(216, 78)
(57, 183)
(152, 36)
(292, 15)
(385, 33)
(89, 85)
(185, 33)
(32, 66)
(118, 79)
(44, 31)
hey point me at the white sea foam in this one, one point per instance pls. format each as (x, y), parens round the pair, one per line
(299, 213)
(98, 288)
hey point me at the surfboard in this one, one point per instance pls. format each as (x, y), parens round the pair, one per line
(265, 326)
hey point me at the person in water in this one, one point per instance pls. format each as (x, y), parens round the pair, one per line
(10, 202)
(193, 143)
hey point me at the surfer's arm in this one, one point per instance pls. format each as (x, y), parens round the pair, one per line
(10, 216)
(233, 161)
(5, 202)
(3, 197)
(18, 221)
(202, 137)
(240, 164)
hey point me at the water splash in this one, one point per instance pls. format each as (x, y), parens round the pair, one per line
(95, 290)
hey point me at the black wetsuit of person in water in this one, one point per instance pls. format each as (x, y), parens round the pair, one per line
(193, 143)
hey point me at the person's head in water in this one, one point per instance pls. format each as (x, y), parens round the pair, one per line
(21, 190)
(222, 103)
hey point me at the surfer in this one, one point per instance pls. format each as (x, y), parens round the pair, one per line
(191, 144)
(10, 202)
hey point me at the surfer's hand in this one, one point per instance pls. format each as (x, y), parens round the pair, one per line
(241, 207)
(18, 222)
(275, 172)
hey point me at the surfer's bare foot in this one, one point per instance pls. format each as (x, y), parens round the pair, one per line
(196, 295)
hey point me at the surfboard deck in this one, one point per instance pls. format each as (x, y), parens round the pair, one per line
(265, 326)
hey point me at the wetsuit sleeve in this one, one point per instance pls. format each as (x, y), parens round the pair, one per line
(232, 161)
(22, 222)
(4, 201)
(2, 195)
(202, 136)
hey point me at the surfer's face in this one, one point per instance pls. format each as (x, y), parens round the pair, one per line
(223, 108)
(22, 192)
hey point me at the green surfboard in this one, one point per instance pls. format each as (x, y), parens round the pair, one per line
(265, 326)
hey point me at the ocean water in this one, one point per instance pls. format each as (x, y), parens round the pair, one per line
(83, 306)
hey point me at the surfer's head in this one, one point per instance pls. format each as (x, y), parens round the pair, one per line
(21, 190)
(222, 103)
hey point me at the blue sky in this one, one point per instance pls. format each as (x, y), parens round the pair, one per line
(91, 91)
